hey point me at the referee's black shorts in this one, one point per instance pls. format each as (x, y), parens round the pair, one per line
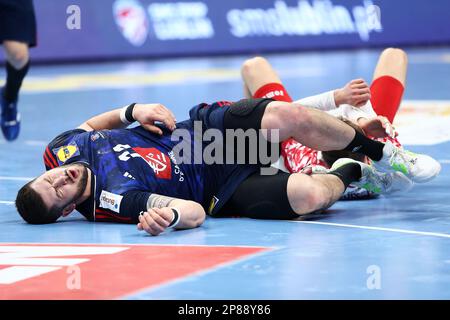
(17, 21)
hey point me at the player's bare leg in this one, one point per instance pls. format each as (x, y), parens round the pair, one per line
(16, 53)
(392, 62)
(388, 84)
(308, 194)
(256, 73)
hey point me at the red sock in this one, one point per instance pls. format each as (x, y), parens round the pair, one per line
(386, 94)
(274, 90)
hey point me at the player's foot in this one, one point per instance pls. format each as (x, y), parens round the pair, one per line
(10, 118)
(377, 182)
(417, 167)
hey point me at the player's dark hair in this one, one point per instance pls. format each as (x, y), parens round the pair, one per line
(32, 208)
(331, 156)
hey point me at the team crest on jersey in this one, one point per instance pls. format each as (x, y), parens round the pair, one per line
(158, 161)
(66, 152)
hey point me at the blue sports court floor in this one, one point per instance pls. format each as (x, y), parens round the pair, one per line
(389, 248)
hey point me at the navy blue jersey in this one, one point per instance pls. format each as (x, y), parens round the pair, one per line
(128, 165)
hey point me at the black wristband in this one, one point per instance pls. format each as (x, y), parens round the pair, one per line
(129, 113)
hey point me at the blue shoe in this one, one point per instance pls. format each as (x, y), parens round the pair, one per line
(10, 119)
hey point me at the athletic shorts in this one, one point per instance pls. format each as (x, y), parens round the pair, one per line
(261, 197)
(226, 181)
(17, 21)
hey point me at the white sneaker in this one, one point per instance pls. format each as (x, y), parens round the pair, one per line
(417, 167)
(377, 182)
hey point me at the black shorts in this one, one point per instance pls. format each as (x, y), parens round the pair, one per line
(247, 114)
(260, 197)
(17, 21)
(221, 180)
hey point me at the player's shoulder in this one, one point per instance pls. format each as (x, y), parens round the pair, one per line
(61, 148)
(65, 137)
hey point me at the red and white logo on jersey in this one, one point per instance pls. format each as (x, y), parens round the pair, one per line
(132, 20)
(158, 161)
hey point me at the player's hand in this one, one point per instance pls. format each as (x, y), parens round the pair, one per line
(155, 221)
(355, 93)
(147, 114)
(378, 127)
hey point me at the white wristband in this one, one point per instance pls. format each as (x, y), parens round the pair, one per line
(176, 218)
(123, 118)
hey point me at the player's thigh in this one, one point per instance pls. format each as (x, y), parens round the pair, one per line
(257, 72)
(394, 63)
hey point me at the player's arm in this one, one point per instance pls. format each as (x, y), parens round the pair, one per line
(145, 114)
(355, 93)
(166, 212)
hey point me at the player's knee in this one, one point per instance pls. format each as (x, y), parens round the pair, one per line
(296, 116)
(289, 116)
(314, 198)
(250, 65)
(395, 54)
(18, 57)
(319, 198)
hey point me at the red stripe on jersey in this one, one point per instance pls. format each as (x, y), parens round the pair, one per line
(47, 163)
(112, 215)
(51, 157)
(100, 217)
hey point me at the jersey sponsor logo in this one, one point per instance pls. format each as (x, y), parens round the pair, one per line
(132, 21)
(158, 161)
(66, 152)
(110, 201)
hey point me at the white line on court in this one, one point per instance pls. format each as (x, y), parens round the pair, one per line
(17, 178)
(9, 203)
(444, 161)
(421, 233)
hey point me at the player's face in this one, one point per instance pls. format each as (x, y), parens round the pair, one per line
(62, 186)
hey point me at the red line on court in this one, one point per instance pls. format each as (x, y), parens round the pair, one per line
(116, 275)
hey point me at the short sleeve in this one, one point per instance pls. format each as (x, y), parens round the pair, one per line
(50, 158)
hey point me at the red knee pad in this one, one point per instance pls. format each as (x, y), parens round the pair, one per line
(275, 91)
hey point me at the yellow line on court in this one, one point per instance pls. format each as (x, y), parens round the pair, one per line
(116, 80)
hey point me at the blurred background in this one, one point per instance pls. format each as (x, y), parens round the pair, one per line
(119, 29)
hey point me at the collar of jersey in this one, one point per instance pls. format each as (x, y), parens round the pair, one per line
(87, 207)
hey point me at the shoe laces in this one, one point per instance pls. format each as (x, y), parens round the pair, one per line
(407, 158)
